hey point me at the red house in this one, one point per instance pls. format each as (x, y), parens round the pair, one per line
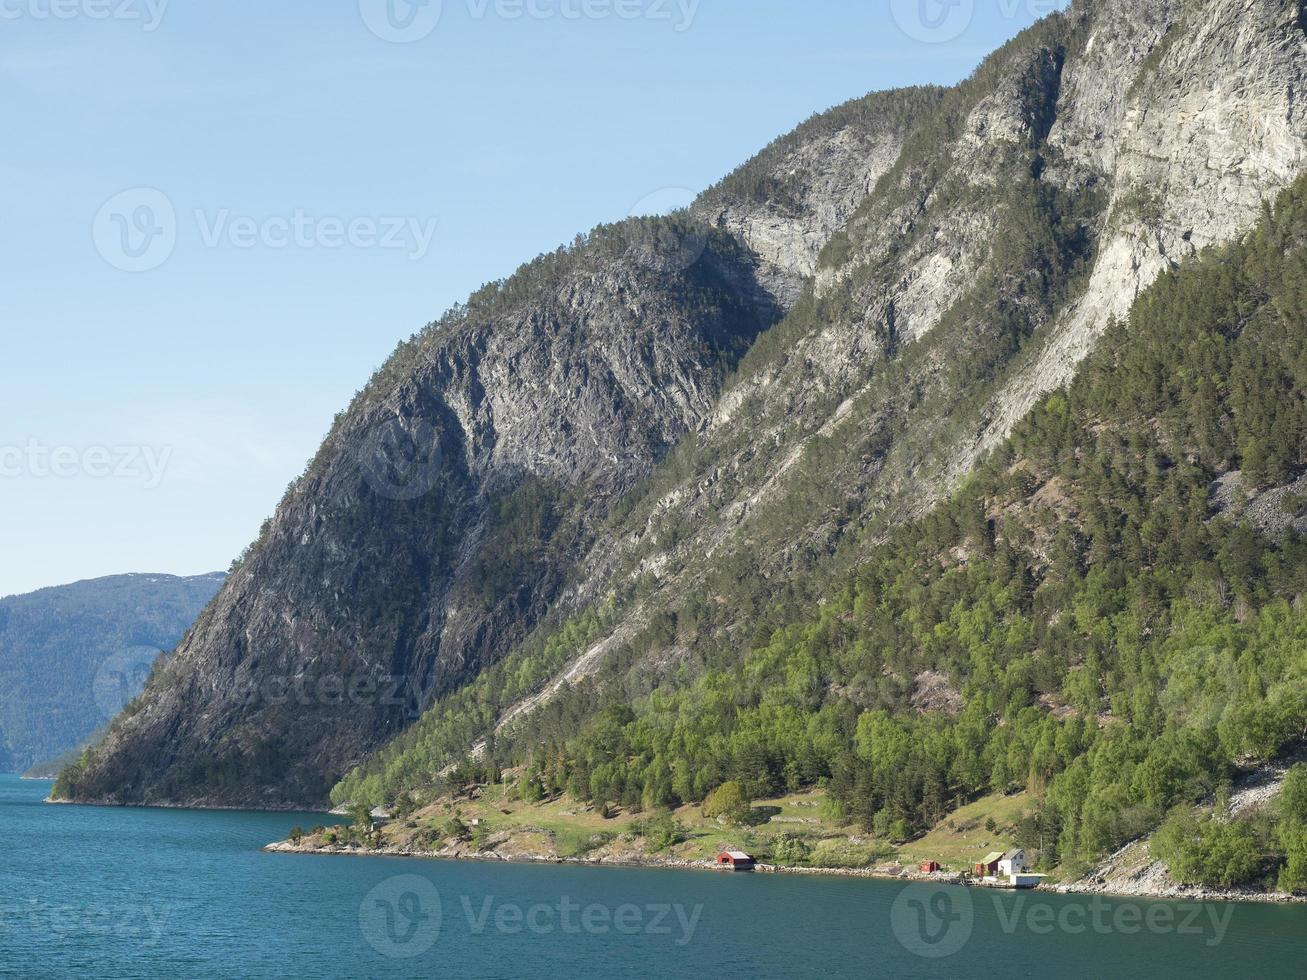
(735, 860)
(929, 867)
(989, 866)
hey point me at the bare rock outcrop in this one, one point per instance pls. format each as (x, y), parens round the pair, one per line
(830, 339)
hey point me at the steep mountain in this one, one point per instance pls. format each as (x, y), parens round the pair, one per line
(1108, 615)
(72, 656)
(441, 516)
(623, 460)
(952, 299)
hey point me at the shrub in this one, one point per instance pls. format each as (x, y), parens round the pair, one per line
(839, 852)
(663, 831)
(1207, 851)
(1293, 876)
(455, 828)
(791, 849)
(1292, 802)
(728, 801)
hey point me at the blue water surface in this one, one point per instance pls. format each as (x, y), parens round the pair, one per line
(106, 892)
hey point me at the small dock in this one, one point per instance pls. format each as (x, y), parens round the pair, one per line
(1012, 882)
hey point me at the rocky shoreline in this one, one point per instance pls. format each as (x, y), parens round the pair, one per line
(626, 860)
(1178, 893)
(1152, 888)
(1132, 873)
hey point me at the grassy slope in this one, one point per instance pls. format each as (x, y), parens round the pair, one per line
(962, 839)
(564, 828)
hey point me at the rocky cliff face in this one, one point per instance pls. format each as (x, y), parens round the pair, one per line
(441, 516)
(941, 259)
(1210, 128)
(790, 200)
(1027, 210)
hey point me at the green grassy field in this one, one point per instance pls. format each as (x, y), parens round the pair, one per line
(962, 838)
(797, 829)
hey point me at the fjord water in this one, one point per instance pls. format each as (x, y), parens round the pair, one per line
(140, 893)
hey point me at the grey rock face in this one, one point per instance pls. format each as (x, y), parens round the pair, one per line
(789, 201)
(1211, 129)
(944, 258)
(439, 519)
(1158, 128)
(1273, 512)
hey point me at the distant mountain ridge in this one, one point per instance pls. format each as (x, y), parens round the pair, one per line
(71, 655)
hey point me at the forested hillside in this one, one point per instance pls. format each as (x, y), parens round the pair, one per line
(71, 656)
(1109, 613)
(646, 453)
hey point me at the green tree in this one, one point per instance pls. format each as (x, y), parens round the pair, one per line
(362, 814)
(1292, 802)
(728, 801)
(1207, 851)
(791, 849)
(1293, 876)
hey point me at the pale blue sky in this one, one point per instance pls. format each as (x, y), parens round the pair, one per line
(494, 132)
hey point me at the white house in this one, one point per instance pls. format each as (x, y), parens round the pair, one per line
(1012, 863)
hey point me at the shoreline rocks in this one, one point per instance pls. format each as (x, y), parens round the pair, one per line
(1171, 892)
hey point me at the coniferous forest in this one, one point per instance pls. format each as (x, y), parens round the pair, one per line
(1115, 599)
